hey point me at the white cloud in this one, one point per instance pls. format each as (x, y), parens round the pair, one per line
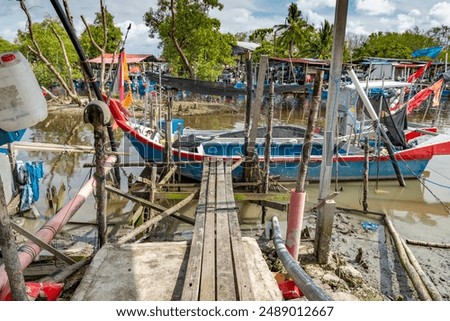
(315, 4)
(375, 7)
(358, 27)
(138, 40)
(440, 13)
(236, 20)
(405, 22)
(316, 19)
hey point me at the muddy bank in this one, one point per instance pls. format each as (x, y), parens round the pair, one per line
(179, 108)
(364, 263)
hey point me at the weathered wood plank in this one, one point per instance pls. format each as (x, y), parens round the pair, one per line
(208, 277)
(191, 286)
(226, 288)
(244, 289)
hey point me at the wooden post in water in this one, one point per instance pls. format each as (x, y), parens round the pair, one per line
(366, 174)
(325, 215)
(255, 115)
(97, 113)
(9, 252)
(248, 107)
(298, 196)
(268, 143)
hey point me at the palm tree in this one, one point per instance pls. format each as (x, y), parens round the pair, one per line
(321, 42)
(295, 31)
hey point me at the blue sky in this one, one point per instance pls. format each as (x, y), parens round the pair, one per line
(364, 17)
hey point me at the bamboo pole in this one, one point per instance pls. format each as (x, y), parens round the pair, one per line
(434, 293)
(429, 244)
(409, 268)
(46, 147)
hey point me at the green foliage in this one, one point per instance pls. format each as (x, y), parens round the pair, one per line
(190, 38)
(50, 48)
(393, 45)
(320, 43)
(295, 34)
(114, 36)
(5, 45)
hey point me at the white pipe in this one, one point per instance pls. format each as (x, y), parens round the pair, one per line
(373, 115)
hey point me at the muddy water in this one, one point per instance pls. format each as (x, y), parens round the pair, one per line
(420, 210)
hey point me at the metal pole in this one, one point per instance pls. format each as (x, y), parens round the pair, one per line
(324, 226)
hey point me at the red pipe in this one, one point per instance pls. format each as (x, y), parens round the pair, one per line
(30, 250)
(294, 222)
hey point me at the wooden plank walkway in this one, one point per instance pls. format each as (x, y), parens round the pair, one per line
(217, 269)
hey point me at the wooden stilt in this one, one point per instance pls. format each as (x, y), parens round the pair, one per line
(267, 144)
(366, 175)
(9, 252)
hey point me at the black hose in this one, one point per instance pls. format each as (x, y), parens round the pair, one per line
(305, 283)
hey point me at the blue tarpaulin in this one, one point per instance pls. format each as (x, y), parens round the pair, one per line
(431, 52)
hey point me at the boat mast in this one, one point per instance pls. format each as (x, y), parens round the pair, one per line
(326, 210)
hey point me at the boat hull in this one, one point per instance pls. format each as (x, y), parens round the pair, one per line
(411, 163)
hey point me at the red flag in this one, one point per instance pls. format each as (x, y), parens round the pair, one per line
(418, 98)
(437, 92)
(419, 72)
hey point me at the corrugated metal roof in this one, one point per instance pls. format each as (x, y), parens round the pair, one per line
(131, 58)
(310, 61)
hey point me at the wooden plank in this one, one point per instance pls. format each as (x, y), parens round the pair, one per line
(42, 244)
(191, 286)
(226, 289)
(208, 275)
(244, 290)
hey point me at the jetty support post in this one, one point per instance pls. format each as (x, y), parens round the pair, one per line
(9, 252)
(249, 93)
(298, 195)
(256, 112)
(97, 113)
(268, 143)
(326, 212)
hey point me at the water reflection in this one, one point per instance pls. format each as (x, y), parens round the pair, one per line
(63, 129)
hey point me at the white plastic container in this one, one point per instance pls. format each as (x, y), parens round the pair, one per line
(22, 103)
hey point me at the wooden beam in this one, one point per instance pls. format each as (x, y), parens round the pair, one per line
(42, 244)
(239, 196)
(149, 204)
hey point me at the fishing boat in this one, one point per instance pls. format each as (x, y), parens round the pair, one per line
(286, 148)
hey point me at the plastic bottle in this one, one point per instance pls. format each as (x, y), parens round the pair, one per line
(22, 103)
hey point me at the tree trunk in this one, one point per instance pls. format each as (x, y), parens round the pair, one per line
(177, 45)
(37, 51)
